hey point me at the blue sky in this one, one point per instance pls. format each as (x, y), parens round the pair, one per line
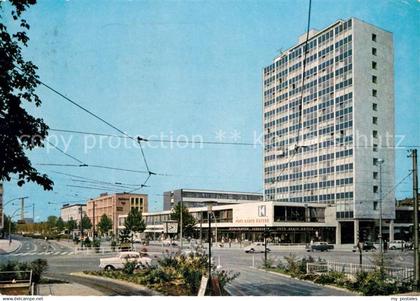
(184, 68)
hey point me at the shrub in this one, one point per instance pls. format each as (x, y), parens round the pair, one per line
(96, 244)
(87, 243)
(129, 267)
(38, 266)
(337, 278)
(113, 245)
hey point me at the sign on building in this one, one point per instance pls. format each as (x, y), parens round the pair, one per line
(171, 227)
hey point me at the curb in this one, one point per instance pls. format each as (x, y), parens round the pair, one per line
(19, 245)
(120, 282)
(311, 282)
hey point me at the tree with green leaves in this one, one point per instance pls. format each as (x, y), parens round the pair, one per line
(71, 225)
(86, 223)
(59, 224)
(134, 222)
(188, 221)
(51, 223)
(20, 131)
(125, 236)
(105, 224)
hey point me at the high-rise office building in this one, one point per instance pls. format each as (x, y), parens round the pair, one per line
(1, 207)
(329, 126)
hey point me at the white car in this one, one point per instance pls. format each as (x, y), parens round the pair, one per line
(396, 245)
(169, 242)
(256, 247)
(117, 263)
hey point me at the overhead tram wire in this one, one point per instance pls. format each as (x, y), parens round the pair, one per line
(305, 50)
(151, 140)
(100, 166)
(68, 155)
(91, 179)
(138, 140)
(207, 142)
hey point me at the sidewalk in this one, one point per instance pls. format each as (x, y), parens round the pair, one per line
(67, 289)
(6, 248)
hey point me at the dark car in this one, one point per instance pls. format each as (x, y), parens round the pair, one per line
(319, 246)
(366, 246)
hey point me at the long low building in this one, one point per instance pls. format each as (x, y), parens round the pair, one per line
(197, 197)
(287, 222)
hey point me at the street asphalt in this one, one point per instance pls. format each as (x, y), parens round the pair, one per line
(62, 261)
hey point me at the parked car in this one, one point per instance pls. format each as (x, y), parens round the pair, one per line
(366, 246)
(397, 245)
(319, 246)
(169, 242)
(117, 263)
(256, 247)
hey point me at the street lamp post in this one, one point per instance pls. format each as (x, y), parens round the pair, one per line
(380, 162)
(209, 210)
(181, 223)
(209, 213)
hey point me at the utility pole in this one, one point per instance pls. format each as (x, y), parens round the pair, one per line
(81, 225)
(201, 228)
(180, 222)
(22, 210)
(265, 245)
(33, 213)
(381, 247)
(93, 224)
(416, 221)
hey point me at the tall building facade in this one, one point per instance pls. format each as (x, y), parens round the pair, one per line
(1, 207)
(328, 106)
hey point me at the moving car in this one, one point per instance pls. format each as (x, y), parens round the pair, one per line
(117, 263)
(319, 246)
(256, 247)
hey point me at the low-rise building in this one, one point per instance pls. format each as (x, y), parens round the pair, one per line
(404, 221)
(72, 211)
(287, 222)
(197, 197)
(114, 205)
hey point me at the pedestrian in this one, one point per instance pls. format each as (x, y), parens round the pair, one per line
(230, 242)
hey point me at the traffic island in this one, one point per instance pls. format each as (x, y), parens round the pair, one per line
(171, 275)
(114, 278)
(373, 282)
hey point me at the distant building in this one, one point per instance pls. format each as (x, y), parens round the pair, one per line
(197, 197)
(73, 211)
(28, 220)
(329, 121)
(113, 206)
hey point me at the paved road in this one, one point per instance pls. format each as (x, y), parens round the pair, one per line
(38, 248)
(62, 261)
